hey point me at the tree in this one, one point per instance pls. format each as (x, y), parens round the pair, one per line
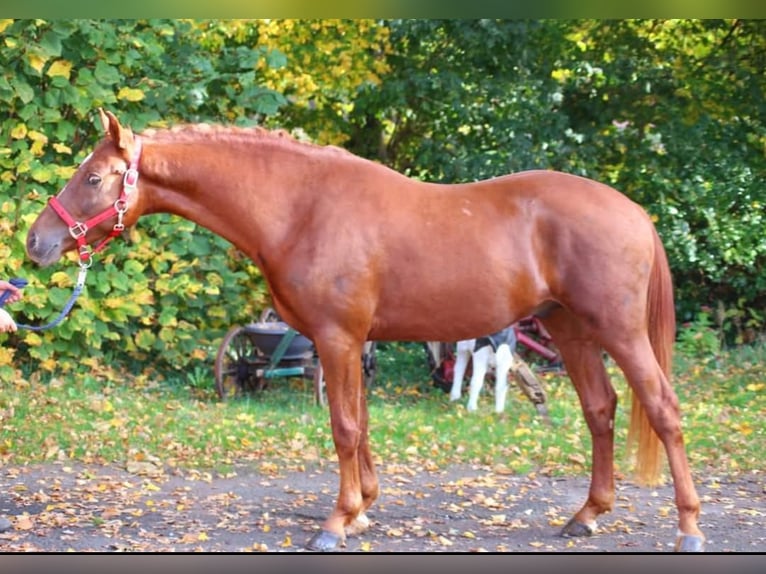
(670, 112)
(154, 300)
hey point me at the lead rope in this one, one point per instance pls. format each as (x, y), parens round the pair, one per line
(67, 307)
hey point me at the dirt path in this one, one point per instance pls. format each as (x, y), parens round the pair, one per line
(55, 508)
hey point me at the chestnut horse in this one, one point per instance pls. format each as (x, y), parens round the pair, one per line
(346, 246)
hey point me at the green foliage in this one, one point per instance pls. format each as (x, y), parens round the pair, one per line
(698, 340)
(668, 111)
(162, 298)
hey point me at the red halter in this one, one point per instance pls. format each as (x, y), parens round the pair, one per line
(78, 229)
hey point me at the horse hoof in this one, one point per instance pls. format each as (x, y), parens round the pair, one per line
(325, 541)
(575, 529)
(690, 543)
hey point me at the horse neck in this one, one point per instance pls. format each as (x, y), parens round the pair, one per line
(249, 192)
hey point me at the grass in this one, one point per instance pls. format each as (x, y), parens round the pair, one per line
(179, 422)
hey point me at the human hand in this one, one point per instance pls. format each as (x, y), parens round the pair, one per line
(7, 324)
(15, 292)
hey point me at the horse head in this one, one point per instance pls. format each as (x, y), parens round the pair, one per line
(96, 204)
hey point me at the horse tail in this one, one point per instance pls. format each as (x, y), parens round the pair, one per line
(661, 321)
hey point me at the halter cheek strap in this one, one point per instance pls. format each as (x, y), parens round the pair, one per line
(79, 229)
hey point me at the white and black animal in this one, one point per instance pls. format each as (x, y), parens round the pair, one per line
(493, 352)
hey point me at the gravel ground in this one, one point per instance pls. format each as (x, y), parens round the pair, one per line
(463, 509)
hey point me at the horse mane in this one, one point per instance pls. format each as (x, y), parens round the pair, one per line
(190, 132)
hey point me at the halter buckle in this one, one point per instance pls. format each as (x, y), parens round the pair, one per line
(78, 229)
(130, 179)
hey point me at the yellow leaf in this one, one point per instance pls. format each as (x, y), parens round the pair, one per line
(4, 23)
(287, 542)
(6, 356)
(38, 136)
(36, 62)
(152, 487)
(61, 279)
(60, 68)
(365, 546)
(202, 536)
(61, 148)
(130, 94)
(19, 132)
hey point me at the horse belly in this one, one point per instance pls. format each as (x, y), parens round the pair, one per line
(454, 303)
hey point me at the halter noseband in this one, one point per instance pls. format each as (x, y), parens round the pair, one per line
(78, 229)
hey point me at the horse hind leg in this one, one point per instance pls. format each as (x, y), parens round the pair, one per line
(656, 405)
(584, 364)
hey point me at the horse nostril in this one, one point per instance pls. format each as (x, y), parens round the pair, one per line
(31, 240)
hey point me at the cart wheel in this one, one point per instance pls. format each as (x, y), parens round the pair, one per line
(236, 365)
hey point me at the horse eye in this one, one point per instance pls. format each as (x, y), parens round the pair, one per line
(94, 179)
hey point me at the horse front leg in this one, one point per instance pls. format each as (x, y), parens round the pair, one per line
(349, 421)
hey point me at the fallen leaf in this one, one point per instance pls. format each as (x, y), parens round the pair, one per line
(24, 522)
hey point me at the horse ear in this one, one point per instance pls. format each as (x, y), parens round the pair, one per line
(122, 136)
(104, 120)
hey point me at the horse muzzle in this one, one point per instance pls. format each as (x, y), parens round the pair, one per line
(43, 251)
